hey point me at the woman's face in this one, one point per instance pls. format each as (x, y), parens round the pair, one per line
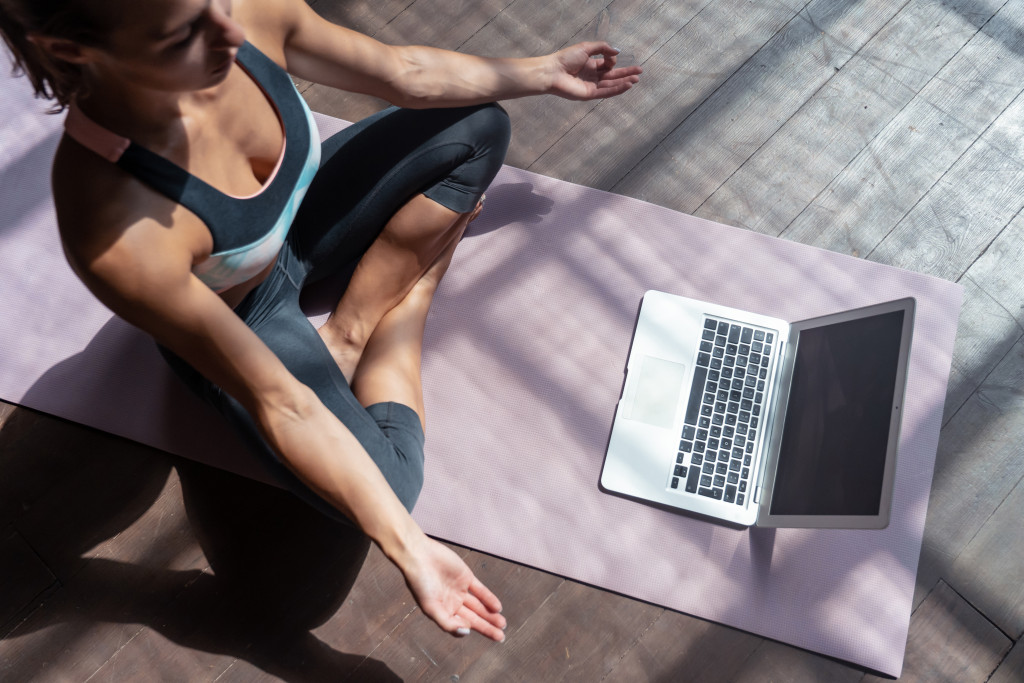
(171, 45)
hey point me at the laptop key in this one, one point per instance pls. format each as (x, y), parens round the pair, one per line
(747, 334)
(759, 335)
(675, 482)
(708, 335)
(686, 446)
(743, 486)
(723, 327)
(687, 432)
(691, 480)
(734, 334)
(733, 478)
(704, 423)
(717, 420)
(710, 324)
(696, 459)
(696, 389)
(703, 359)
(716, 363)
(711, 493)
(730, 494)
(739, 499)
(705, 480)
(719, 480)
(730, 419)
(680, 471)
(698, 447)
(680, 458)
(720, 468)
(719, 340)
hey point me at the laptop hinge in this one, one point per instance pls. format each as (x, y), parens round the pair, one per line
(757, 495)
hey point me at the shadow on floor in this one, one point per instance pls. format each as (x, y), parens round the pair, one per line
(101, 515)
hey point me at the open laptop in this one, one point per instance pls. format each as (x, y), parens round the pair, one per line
(754, 420)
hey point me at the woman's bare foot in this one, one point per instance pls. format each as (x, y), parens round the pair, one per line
(347, 341)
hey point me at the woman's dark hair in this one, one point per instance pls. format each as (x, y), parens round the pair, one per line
(81, 21)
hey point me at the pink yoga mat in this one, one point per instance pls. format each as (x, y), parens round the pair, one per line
(526, 347)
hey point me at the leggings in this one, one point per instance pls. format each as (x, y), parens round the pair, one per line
(367, 172)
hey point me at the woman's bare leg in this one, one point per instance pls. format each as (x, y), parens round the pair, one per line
(390, 366)
(397, 259)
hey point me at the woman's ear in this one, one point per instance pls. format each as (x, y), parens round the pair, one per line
(60, 48)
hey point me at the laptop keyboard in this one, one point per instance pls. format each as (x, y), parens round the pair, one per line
(723, 416)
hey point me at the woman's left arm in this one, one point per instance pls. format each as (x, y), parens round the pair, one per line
(419, 77)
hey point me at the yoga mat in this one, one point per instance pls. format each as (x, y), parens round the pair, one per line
(525, 353)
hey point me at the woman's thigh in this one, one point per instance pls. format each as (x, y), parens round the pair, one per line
(372, 168)
(391, 433)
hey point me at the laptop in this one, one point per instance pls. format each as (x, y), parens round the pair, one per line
(753, 420)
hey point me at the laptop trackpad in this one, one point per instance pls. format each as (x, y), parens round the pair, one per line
(656, 392)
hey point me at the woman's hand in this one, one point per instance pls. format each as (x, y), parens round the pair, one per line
(448, 592)
(586, 71)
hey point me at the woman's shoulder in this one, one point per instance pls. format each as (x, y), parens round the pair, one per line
(99, 205)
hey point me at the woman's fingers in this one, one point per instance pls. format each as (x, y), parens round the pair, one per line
(482, 593)
(481, 625)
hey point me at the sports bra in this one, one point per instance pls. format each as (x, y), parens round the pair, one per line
(248, 232)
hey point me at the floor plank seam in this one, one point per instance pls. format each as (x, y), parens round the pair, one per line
(985, 251)
(983, 616)
(394, 18)
(981, 383)
(486, 24)
(632, 645)
(945, 173)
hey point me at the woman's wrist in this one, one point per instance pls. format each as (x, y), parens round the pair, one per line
(401, 543)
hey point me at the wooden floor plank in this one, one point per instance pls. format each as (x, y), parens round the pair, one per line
(678, 647)
(947, 231)
(1012, 668)
(774, 661)
(989, 573)
(985, 333)
(950, 641)
(998, 270)
(977, 466)
(115, 487)
(417, 650)
(121, 583)
(578, 634)
(24, 577)
(856, 211)
(38, 451)
(844, 115)
(614, 137)
(748, 109)
(640, 28)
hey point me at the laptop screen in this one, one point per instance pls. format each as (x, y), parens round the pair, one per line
(835, 438)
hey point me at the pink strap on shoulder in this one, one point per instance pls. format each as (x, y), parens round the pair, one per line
(93, 136)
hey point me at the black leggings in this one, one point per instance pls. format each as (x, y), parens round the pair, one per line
(368, 171)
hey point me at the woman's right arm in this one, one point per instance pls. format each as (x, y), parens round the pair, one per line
(144, 275)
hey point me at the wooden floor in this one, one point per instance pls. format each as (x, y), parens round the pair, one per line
(892, 130)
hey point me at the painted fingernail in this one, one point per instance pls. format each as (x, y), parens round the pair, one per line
(462, 631)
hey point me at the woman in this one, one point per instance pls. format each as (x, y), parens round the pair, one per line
(194, 200)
